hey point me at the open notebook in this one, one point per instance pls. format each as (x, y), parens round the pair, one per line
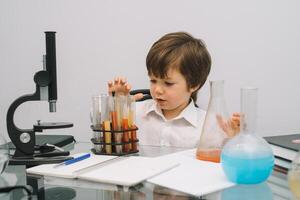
(192, 176)
(126, 171)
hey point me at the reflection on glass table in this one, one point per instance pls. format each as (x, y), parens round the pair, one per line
(59, 188)
(248, 192)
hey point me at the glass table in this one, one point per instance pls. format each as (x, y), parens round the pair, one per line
(276, 187)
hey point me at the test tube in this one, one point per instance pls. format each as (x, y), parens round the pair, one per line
(96, 111)
(116, 114)
(105, 116)
(131, 122)
(125, 126)
(118, 108)
(113, 113)
(96, 122)
(96, 116)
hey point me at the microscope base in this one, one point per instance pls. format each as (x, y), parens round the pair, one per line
(30, 162)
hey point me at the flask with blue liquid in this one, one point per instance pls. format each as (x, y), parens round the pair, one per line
(247, 158)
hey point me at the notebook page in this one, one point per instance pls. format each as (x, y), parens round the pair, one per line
(129, 171)
(67, 171)
(193, 176)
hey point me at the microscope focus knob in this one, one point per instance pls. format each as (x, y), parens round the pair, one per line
(42, 78)
(25, 137)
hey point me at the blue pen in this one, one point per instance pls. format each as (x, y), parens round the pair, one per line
(74, 160)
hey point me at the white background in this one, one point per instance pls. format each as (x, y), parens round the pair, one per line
(252, 43)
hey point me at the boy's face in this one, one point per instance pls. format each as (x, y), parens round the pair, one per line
(171, 93)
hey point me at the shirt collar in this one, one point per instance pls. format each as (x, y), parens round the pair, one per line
(153, 108)
(189, 113)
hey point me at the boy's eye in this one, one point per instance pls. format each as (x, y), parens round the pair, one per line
(169, 83)
(152, 81)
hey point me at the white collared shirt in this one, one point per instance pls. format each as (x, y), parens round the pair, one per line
(156, 130)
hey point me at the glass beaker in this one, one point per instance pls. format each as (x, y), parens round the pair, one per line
(213, 136)
(294, 175)
(247, 158)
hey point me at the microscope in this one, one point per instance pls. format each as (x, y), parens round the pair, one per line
(46, 89)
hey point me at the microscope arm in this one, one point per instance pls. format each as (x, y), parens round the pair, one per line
(24, 139)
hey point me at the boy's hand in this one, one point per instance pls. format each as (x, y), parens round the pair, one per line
(120, 87)
(230, 127)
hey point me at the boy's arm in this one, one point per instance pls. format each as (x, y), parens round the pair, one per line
(232, 126)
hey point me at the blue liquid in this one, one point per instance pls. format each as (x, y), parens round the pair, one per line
(247, 171)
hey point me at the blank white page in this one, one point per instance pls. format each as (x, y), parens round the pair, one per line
(129, 171)
(193, 176)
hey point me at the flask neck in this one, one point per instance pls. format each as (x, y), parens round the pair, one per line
(217, 89)
(248, 110)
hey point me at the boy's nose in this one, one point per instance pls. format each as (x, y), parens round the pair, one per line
(158, 90)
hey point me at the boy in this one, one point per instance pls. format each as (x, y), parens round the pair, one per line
(178, 65)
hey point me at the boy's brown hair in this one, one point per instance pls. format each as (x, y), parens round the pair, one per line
(184, 52)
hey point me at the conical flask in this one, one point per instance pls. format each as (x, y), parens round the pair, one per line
(213, 136)
(247, 158)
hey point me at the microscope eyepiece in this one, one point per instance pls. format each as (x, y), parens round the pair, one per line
(52, 106)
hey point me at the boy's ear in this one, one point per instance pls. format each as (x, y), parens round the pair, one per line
(193, 89)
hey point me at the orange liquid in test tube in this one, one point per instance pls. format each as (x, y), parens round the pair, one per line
(116, 114)
(125, 134)
(130, 123)
(114, 125)
(114, 120)
(107, 137)
(132, 133)
(134, 138)
(212, 155)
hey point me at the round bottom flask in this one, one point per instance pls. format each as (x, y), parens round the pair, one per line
(247, 158)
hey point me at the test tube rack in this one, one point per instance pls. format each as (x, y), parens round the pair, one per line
(119, 144)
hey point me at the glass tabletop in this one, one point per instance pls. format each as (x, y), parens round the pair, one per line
(276, 187)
